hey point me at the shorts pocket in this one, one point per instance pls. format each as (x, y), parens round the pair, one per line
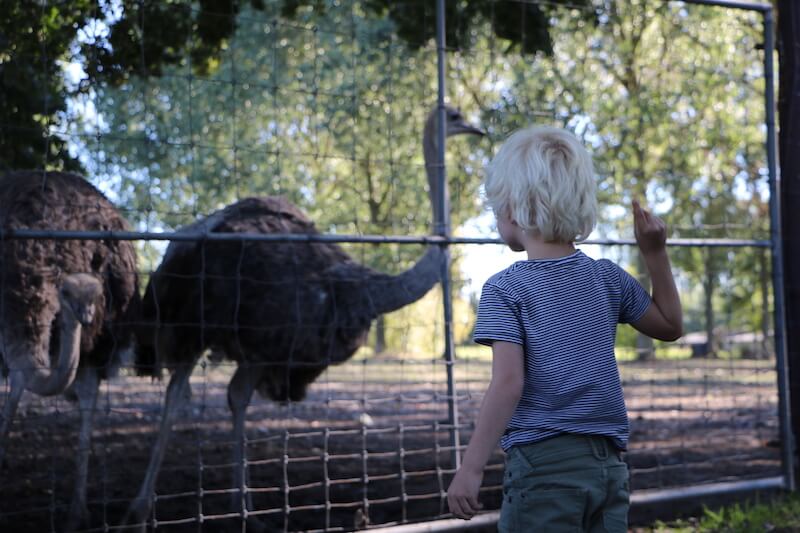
(615, 521)
(553, 510)
(615, 513)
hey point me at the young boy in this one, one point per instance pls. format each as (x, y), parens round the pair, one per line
(555, 398)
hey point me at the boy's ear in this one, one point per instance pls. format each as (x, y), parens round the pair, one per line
(507, 214)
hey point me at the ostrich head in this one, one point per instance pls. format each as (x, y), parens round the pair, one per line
(78, 296)
(455, 122)
(455, 125)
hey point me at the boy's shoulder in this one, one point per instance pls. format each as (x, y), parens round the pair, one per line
(503, 278)
(606, 265)
(499, 276)
(502, 282)
(608, 270)
(524, 272)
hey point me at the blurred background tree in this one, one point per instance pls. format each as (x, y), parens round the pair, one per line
(117, 40)
(177, 108)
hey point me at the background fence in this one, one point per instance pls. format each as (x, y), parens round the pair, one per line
(177, 109)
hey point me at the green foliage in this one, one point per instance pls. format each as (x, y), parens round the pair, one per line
(473, 351)
(151, 35)
(416, 330)
(144, 39)
(298, 109)
(669, 97)
(34, 37)
(662, 351)
(780, 514)
(188, 106)
(624, 354)
(522, 25)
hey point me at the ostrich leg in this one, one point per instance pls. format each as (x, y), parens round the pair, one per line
(16, 385)
(240, 392)
(178, 394)
(85, 387)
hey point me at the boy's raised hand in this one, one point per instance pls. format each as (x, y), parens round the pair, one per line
(650, 231)
(664, 319)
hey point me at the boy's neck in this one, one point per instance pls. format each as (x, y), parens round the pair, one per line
(531, 241)
(550, 250)
(538, 248)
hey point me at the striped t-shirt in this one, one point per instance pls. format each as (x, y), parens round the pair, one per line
(564, 312)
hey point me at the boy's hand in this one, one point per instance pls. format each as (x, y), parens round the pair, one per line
(462, 495)
(650, 231)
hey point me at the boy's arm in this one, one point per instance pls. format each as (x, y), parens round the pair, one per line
(664, 319)
(499, 402)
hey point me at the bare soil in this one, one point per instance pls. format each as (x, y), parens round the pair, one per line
(376, 447)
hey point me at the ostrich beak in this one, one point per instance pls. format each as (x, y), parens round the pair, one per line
(85, 314)
(462, 128)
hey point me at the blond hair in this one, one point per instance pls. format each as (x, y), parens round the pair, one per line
(543, 178)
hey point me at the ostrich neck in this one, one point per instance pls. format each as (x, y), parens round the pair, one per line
(389, 293)
(56, 379)
(430, 151)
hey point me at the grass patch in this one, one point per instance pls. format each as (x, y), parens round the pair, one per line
(664, 352)
(667, 352)
(475, 352)
(780, 514)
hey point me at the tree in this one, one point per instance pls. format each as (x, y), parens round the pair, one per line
(141, 51)
(649, 88)
(303, 109)
(309, 100)
(33, 38)
(144, 38)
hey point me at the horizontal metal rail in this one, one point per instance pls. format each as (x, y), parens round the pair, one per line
(482, 521)
(734, 4)
(320, 237)
(638, 498)
(650, 497)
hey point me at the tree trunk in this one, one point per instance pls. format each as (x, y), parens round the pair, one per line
(788, 140)
(708, 293)
(645, 351)
(764, 271)
(380, 334)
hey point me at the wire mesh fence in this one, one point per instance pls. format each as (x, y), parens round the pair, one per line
(175, 110)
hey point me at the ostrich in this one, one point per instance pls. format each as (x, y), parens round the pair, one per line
(282, 311)
(63, 303)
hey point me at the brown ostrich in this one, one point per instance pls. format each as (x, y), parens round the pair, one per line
(64, 304)
(282, 311)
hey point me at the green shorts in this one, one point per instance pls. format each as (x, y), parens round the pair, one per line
(564, 484)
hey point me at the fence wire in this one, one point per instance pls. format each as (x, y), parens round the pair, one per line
(326, 106)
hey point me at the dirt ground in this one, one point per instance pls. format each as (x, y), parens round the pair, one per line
(374, 443)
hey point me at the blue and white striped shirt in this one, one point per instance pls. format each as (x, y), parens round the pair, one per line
(564, 312)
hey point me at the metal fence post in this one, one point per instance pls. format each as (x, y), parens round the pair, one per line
(781, 362)
(443, 229)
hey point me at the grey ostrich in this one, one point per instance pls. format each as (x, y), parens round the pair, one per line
(64, 304)
(282, 311)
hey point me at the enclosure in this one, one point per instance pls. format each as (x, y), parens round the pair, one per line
(177, 109)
